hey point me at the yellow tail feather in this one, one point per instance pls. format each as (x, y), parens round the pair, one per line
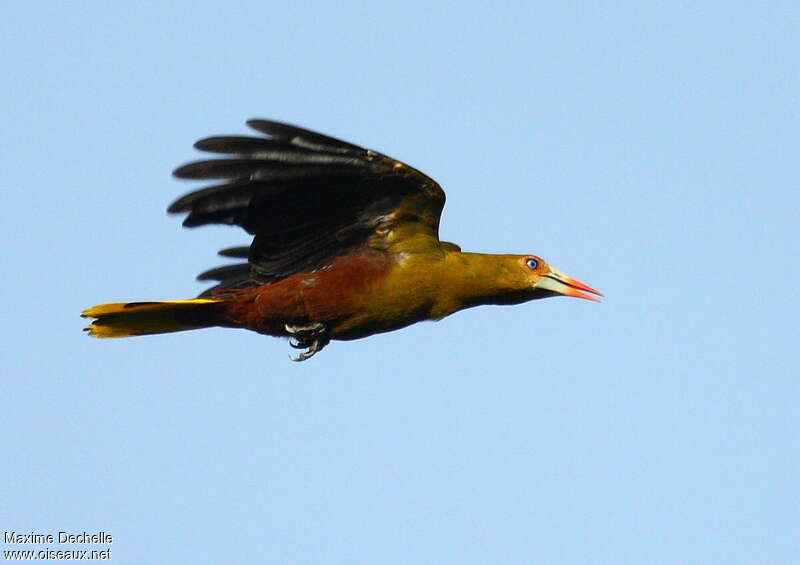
(125, 319)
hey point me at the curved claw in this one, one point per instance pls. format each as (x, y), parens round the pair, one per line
(313, 347)
(302, 357)
(312, 338)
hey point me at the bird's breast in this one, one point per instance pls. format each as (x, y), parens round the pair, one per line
(404, 293)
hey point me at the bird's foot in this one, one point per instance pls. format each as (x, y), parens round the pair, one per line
(312, 338)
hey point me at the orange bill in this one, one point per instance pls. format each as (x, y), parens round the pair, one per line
(558, 282)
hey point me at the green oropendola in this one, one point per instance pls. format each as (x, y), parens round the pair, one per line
(345, 245)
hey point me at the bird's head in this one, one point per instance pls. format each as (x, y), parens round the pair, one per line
(546, 280)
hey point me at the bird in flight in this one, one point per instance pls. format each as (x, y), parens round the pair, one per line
(345, 245)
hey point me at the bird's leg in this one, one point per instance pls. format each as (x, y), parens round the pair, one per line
(312, 338)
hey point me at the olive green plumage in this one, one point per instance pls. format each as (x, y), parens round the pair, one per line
(345, 245)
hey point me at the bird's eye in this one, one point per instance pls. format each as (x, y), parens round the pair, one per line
(532, 263)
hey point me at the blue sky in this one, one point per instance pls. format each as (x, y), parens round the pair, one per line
(647, 149)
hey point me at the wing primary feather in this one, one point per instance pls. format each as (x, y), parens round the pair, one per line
(240, 193)
(225, 272)
(268, 182)
(241, 144)
(265, 166)
(235, 252)
(302, 137)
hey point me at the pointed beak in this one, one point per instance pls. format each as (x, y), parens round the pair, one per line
(558, 282)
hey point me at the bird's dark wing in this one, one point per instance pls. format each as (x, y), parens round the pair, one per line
(232, 276)
(307, 198)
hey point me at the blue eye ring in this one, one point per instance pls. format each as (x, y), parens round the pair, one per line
(532, 263)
